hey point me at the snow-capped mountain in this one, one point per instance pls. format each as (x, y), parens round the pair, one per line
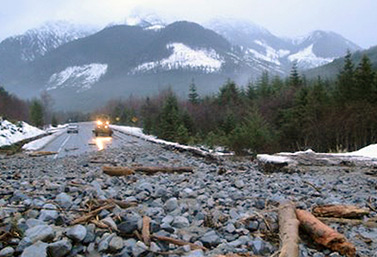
(315, 49)
(78, 67)
(38, 41)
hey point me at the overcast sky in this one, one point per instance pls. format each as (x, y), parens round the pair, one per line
(354, 19)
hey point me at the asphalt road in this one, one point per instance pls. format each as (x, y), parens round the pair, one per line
(85, 141)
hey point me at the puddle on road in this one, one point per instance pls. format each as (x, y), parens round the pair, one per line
(102, 142)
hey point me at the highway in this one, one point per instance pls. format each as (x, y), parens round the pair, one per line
(85, 141)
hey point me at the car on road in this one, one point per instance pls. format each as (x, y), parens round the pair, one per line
(103, 127)
(73, 128)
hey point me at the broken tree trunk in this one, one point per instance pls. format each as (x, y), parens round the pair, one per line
(152, 170)
(87, 217)
(41, 153)
(288, 230)
(117, 171)
(325, 235)
(145, 232)
(339, 211)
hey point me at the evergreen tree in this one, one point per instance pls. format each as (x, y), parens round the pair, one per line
(36, 113)
(364, 76)
(264, 85)
(229, 94)
(54, 121)
(345, 85)
(193, 94)
(169, 118)
(294, 78)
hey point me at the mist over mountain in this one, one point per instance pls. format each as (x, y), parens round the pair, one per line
(84, 67)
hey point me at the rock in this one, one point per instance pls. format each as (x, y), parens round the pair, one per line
(187, 193)
(103, 245)
(64, 200)
(146, 187)
(168, 219)
(116, 244)
(7, 252)
(180, 222)
(139, 249)
(171, 204)
(40, 232)
(77, 233)
(259, 247)
(50, 214)
(318, 255)
(252, 225)
(195, 253)
(210, 239)
(59, 248)
(110, 222)
(230, 228)
(154, 247)
(36, 250)
(34, 222)
(239, 183)
(90, 235)
(25, 242)
(128, 226)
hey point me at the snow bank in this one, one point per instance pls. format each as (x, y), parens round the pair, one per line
(138, 132)
(40, 143)
(273, 158)
(11, 133)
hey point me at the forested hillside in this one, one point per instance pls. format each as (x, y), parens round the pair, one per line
(270, 115)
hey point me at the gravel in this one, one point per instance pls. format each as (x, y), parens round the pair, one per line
(43, 196)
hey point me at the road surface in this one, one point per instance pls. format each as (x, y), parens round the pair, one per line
(85, 141)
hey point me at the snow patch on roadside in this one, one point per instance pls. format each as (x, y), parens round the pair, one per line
(138, 132)
(40, 143)
(12, 133)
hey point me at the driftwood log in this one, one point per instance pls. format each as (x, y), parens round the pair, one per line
(117, 171)
(339, 211)
(41, 153)
(145, 232)
(325, 235)
(153, 170)
(288, 230)
(125, 171)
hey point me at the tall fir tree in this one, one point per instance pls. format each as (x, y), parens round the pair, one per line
(345, 84)
(193, 94)
(36, 113)
(169, 118)
(294, 78)
(364, 76)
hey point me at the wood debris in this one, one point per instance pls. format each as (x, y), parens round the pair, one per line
(339, 211)
(288, 226)
(117, 171)
(87, 217)
(145, 232)
(41, 153)
(325, 235)
(178, 242)
(126, 171)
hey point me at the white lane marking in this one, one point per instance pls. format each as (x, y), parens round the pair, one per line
(61, 147)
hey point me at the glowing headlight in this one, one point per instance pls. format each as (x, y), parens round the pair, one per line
(99, 122)
(107, 122)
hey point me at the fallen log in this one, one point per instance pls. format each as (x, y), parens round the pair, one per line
(371, 223)
(41, 153)
(325, 235)
(153, 170)
(117, 171)
(288, 230)
(145, 232)
(339, 211)
(178, 242)
(87, 217)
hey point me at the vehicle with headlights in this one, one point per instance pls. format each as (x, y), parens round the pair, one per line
(73, 128)
(103, 127)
